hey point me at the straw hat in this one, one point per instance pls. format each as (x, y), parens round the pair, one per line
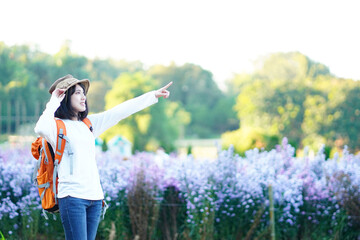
(67, 82)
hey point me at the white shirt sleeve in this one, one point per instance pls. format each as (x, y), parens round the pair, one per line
(46, 125)
(103, 121)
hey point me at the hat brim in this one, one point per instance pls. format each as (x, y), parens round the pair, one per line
(67, 82)
(84, 82)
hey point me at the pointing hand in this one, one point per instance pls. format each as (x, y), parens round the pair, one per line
(162, 92)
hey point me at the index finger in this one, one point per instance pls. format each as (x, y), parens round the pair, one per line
(59, 91)
(62, 94)
(168, 85)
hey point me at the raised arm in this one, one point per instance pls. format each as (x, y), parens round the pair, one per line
(103, 121)
(46, 126)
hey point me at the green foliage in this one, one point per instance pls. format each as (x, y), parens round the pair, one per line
(117, 221)
(151, 128)
(247, 138)
(196, 108)
(290, 66)
(235, 85)
(104, 146)
(102, 74)
(197, 92)
(172, 214)
(291, 96)
(95, 97)
(288, 95)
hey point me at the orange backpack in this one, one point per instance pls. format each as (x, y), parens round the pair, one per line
(45, 175)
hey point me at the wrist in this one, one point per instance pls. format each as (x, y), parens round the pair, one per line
(54, 98)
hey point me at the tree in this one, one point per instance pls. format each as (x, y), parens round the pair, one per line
(69, 63)
(332, 113)
(106, 70)
(102, 74)
(96, 96)
(289, 66)
(275, 107)
(8, 64)
(199, 95)
(157, 126)
(18, 85)
(274, 99)
(346, 124)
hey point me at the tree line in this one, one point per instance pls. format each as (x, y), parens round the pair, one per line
(287, 95)
(27, 73)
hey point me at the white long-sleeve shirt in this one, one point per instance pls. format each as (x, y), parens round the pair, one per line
(85, 181)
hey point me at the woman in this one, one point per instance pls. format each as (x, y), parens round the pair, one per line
(79, 191)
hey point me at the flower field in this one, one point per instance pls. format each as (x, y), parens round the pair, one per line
(166, 197)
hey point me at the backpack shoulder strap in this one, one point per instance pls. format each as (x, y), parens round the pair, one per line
(60, 140)
(88, 123)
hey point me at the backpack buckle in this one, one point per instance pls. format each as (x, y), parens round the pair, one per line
(61, 135)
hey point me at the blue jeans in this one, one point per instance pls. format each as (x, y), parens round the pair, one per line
(80, 217)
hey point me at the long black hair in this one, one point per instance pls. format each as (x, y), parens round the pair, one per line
(65, 111)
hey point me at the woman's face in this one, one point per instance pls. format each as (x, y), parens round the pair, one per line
(78, 99)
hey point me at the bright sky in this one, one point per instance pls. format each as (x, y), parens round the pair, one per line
(224, 37)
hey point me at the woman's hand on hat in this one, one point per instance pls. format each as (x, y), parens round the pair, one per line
(59, 94)
(162, 92)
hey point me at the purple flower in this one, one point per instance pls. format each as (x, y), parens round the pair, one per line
(225, 186)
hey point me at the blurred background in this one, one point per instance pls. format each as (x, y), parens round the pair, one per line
(276, 79)
(245, 73)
